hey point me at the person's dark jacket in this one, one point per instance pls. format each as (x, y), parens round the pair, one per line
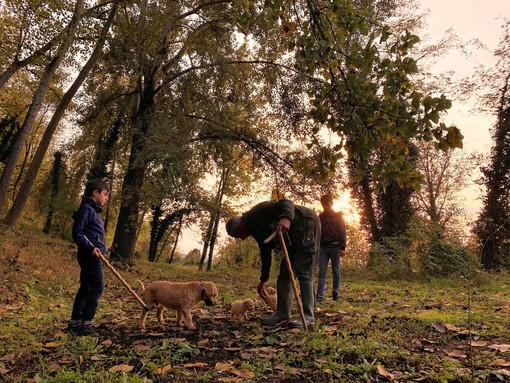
(262, 221)
(333, 232)
(88, 228)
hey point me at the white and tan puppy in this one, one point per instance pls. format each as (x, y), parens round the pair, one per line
(178, 296)
(240, 308)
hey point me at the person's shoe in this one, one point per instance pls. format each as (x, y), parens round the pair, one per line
(88, 330)
(73, 328)
(319, 300)
(336, 297)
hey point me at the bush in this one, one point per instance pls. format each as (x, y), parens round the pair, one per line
(236, 255)
(391, 259)
(442, 258)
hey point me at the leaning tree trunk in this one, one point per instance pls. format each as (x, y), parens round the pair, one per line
(26, 187)
(179, 229)
(55, 175)
(52, 67)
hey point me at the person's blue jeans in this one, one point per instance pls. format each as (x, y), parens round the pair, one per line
(91, 287)
(326, 254)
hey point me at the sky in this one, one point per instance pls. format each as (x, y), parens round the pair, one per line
(469, 19)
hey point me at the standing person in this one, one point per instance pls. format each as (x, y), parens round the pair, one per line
(89, 234)
(333, 241)
(302, 228)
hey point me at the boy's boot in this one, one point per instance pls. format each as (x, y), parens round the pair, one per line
(308, 303)
(74, 327)
(88, 330)
(284, 296)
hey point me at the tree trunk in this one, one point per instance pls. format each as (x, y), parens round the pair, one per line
(207, 239)
(17, 146)
(212, 230)
(179, 228)
(18, 64)
(55, 175)
(26, 187)
(214, 235)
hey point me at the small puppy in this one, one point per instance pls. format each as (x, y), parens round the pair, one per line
(178, 296)
(270, 297)
(241, 308)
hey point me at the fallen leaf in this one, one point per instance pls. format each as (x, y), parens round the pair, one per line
(121, 368)
(8, 357)
(141, 347)
(195, 365)
(223, 366)
(382, 371)
(453, 328)
(156, 333)
(500, 347)
(504, 372)
(287, 369)
(479, 343)
(164, 370)
(243, 373)
(500, 363)
(53, 367)
(3, 371)
(456, 354)
(107, 342)
(440, 327)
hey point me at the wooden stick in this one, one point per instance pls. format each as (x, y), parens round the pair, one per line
(124, 283)
(292, 279)
(270, 237)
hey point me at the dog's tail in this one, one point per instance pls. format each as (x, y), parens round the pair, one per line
(141, 285)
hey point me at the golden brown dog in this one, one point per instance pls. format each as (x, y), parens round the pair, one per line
(241, 308)
(178, 296)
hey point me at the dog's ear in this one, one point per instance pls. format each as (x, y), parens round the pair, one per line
(203, 293)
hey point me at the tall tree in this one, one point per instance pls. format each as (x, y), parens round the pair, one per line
(445, 175)
(493, 224)
(362, 68)
(33, 110)
(28, 182)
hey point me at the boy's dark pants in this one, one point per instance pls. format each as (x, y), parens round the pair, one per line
(91, 287)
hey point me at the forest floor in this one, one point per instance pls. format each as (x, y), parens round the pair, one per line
(392, 331)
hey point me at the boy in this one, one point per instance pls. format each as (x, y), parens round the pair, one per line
(88, 233)
(333, 241)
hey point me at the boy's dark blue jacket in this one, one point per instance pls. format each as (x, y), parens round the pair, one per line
(88, 228)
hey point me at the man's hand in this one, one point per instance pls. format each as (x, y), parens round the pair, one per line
(261, 289)
(283, 225)
(342, 253)
(97, 252)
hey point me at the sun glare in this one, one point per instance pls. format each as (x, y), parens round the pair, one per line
(343, 204)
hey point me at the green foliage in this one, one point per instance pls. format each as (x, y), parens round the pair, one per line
(442, 258)
(237, 255)
(391, 259)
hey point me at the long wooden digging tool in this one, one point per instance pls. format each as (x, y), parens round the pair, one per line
(291, 273)
(124, 283)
